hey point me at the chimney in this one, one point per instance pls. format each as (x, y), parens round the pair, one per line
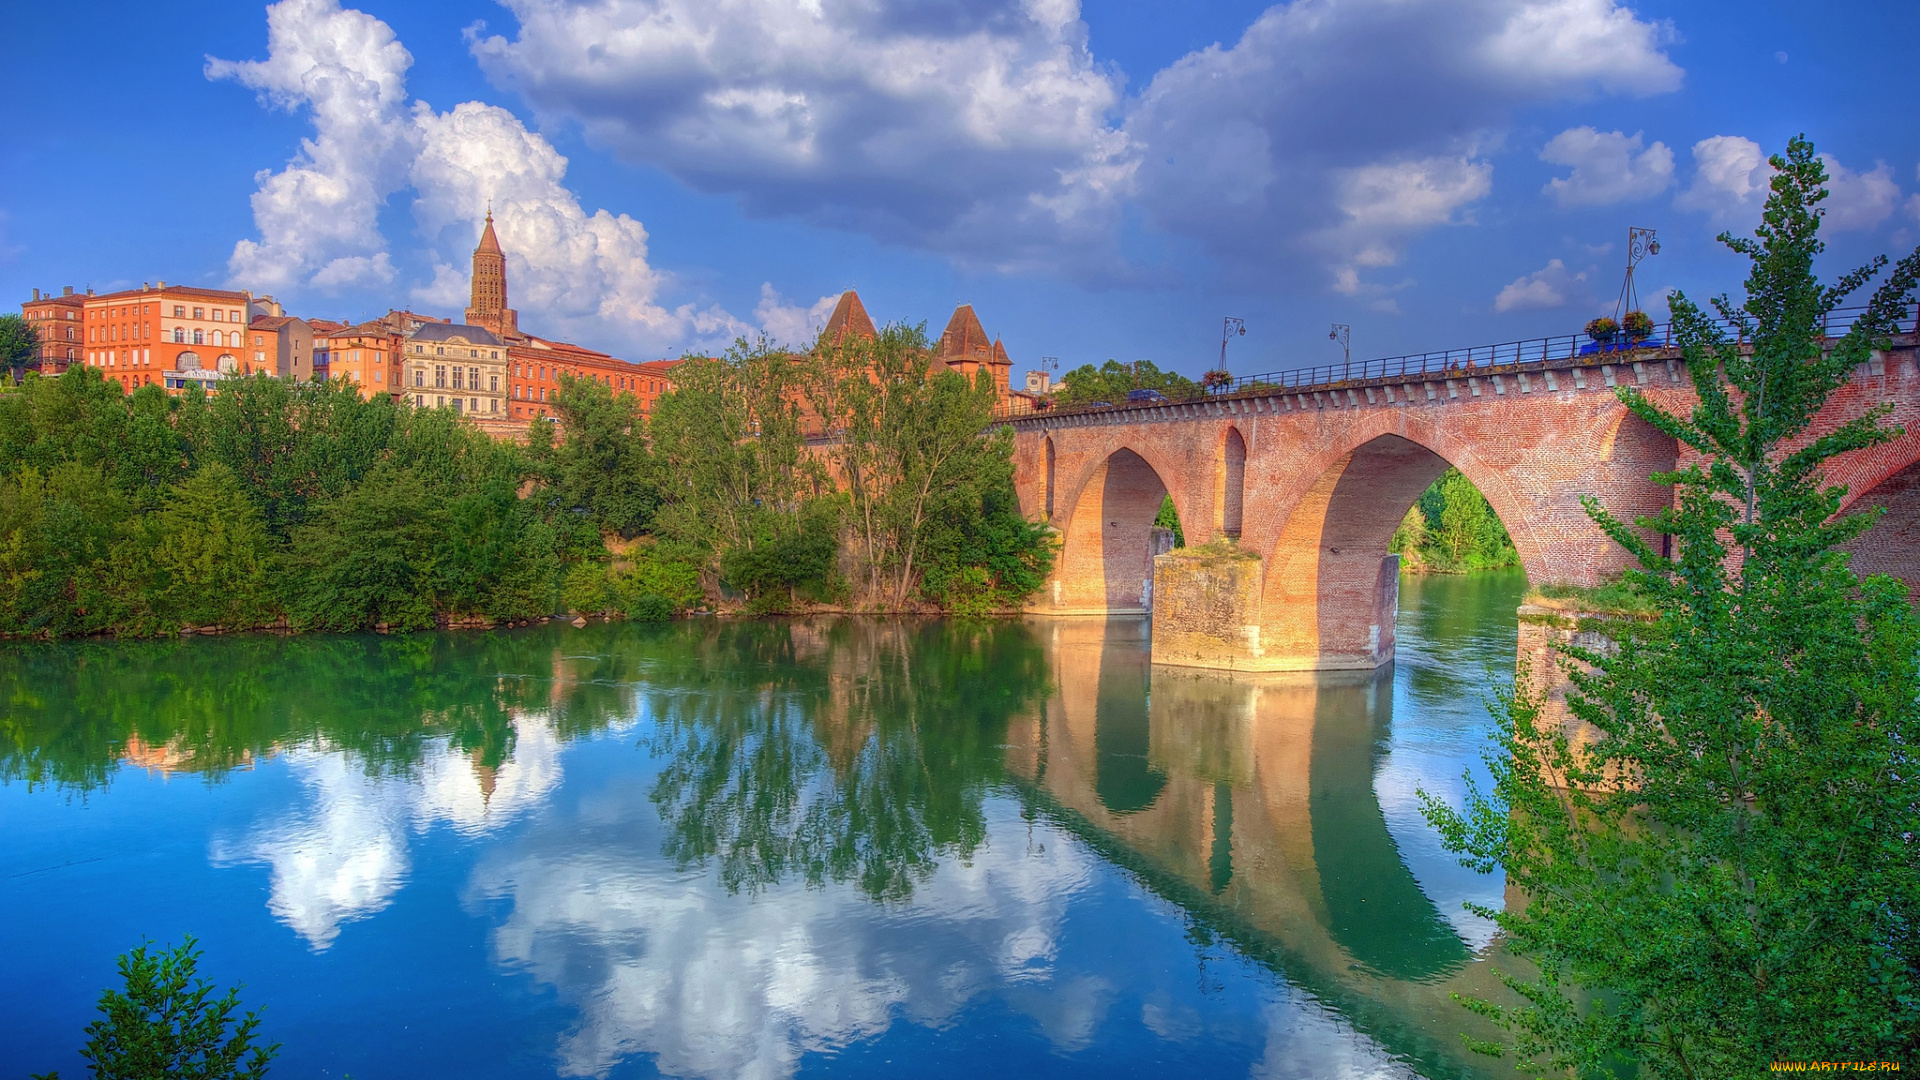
(36, 294)
(163, 284)
(89, 290)
(68, 291)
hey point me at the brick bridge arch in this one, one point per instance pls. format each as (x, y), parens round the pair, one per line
(1104, 513)
(1328, 473)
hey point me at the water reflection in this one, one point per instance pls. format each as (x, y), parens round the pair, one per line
(807, 832)
(1253, 806)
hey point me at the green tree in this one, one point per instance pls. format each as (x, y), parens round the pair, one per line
(168, 1024)
(19, 344)
(202, 559)
(1112, 381)
(58, 529)
(601, 465)
(369, 557)
(1728, 876)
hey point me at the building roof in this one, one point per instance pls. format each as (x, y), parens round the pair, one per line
(439, 331)
(849, 318)
(370, 328)
(271, 322)
(964, 337)
(325, 326)
(183, 291)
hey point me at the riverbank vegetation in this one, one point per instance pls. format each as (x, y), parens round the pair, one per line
(1451, 529)
(855, 476)
(1752, 895)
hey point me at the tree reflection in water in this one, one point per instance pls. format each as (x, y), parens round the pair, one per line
(837, 750)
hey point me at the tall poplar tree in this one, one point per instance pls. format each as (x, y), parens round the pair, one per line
(1727, 877)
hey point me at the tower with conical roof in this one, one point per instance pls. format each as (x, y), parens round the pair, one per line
(487, 305)
(965, 348)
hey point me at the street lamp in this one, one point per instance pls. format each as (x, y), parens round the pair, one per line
(1640, 244)
(1343, 334)
(1228, 329)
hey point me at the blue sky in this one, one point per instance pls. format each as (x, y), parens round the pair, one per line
(1100, 180)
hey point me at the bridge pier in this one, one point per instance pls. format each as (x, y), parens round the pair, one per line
(1208, 613)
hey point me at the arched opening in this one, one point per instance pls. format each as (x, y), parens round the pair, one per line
(1106, 560)
(1048, 449)
(187, 361)
(1233, 482)
(1892, 546)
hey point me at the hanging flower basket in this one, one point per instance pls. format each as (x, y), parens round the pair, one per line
(1638, 325)
(1603, 330)
(1216, 380)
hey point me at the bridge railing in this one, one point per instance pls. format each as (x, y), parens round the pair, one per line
(1458, 363)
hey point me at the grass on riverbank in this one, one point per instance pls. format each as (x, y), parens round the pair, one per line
(1612, 598)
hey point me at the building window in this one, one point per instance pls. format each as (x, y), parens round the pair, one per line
(543, 393)
(199, 336)
(496, 405)
(419, 376)
(419, 401)
(493, 384)
(233, 316)
(379, 376)
(458, 383)
(440, 375)
(440, 401)
(216, 315)
(179, 335)
(473, 404)
(456, 404)
(179, 312)
(199, 313)
(439, 350)
(473, 378)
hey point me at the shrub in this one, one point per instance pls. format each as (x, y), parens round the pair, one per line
(649, 607)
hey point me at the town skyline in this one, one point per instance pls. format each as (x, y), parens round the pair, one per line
(1498, 222)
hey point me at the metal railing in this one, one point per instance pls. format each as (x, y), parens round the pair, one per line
(1460, 363)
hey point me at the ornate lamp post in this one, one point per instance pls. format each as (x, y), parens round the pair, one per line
(1640, 244)
(1343, 334)
(1228, 329)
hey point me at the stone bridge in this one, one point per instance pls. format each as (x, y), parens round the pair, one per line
(1310, 483)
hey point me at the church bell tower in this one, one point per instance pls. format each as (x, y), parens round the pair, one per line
(488, 304)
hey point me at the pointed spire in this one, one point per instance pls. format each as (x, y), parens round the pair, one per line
(489, 243)
(849, 318)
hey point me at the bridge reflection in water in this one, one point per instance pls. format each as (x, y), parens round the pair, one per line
(1250, 803)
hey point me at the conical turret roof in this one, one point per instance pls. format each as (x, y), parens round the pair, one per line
(849, 318)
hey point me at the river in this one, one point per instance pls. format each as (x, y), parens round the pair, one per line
(830, 847)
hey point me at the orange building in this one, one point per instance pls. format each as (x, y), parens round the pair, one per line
(366, 355)
(168, 335)
(59, 320)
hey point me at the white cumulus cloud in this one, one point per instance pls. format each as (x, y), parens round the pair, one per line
(1858, 200)
(1608, 167)
(576, 273)
(317, 217)
(1373, 113)
(1730, 180)
(980, 130)
(1551, 286)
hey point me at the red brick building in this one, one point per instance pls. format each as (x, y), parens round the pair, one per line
(59, 320)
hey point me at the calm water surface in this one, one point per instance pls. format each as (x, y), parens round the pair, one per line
(728, 849)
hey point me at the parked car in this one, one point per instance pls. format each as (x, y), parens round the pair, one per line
(1099, 404)
(1146, 397)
